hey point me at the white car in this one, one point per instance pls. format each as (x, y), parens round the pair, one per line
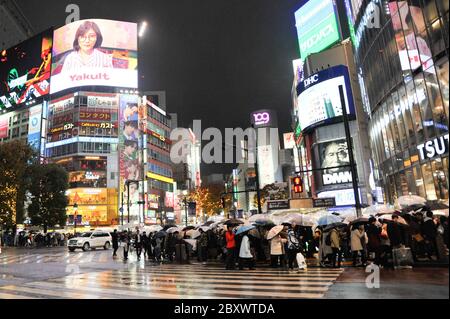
(90, 240)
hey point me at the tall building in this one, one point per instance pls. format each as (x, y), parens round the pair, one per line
(320, 131)
(14, 26)
(406, 93)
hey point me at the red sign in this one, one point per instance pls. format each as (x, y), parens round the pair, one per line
(4, 126)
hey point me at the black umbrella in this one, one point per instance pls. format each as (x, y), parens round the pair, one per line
(208, 223)
(436, 206)
(233, 221)
(334, 225)
(168, 226)
(360, 221)
(188, 228)
(160, 234)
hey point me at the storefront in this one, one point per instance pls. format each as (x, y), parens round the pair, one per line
(406, 95)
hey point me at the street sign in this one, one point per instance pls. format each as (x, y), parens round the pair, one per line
(278, 204)
(324, 202)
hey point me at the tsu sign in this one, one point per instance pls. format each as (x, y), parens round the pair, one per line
(433, 148)
(264, 118)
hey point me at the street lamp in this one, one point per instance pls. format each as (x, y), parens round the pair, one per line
(185, 192)
(75, 214)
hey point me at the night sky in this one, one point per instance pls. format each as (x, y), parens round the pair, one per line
(217, 60)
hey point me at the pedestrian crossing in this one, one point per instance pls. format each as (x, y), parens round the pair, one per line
(62, 257)
(172, 281)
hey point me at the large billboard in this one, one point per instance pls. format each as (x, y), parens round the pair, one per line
(317, 26)
(95, 52)
(34, 127)
(319, 101)
(25, 71)
(130, 156)
(334, 161)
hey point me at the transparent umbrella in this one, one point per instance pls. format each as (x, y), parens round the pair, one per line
(408, 200)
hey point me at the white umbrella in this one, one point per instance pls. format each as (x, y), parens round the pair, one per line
(193, 233)
(378, 209)
(216, 219)
(153, 228)
(408, 200)
(274, 231)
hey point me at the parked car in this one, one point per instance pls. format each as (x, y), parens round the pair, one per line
(90, 240)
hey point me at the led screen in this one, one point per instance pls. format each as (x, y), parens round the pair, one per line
(95, 52)
(25, 71)
(317, 26)
(319, 100)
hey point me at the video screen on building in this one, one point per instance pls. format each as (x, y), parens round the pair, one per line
(25, 71)
(319, 101)
(317, 26)
(333, 159)
(95, 52)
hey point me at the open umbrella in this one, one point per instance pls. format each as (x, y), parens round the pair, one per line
(191, 242)
(233, 221)
(260, 218)
(160, 234)
(274, 231)
(173, 230)
(334, 225)
(255, 233)
(243, 229)
(166, 227)
(328, 219)
(193, 233)
(208, 223)
(376, 209)
(188, 228)
(408, 200)
(359, 221)
(204, 228)
(388, 217)
(153, 228)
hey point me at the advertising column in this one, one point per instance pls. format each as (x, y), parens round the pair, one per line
(130, 159)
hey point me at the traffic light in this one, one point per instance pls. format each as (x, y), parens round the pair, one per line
(298, 185)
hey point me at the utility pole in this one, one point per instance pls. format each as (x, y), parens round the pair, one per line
(350, 151)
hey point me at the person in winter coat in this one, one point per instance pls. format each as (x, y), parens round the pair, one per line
(231, 249)
(394, 232)
(202, 246)
(429, 231)
(293, 247)
(277, 251)
(358, 242)
(115, 242)
(245, 254)
(374, 239)
(126, 246)
(335, 247)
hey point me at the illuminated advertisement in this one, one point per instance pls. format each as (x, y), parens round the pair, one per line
(169, 200)
(413, 50)
(91, 215)
(130, 159)
(289, 140)
(333, 159)
(263, 118)
(25, 71)
(265, 158)
(317, 26)
(4, 125)
(343, 197)
(319, 101)
(34, 127)
(87, 179)
(87, 196)
(95, 52)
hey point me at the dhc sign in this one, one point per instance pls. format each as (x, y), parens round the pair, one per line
(433, 148)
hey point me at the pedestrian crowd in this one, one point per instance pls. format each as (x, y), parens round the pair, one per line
(27, 239)
(423, 234)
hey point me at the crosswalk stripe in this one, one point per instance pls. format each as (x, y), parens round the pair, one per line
(14, 296)
(29, 289)
(120, 292)
(237, 293)
(167, 278)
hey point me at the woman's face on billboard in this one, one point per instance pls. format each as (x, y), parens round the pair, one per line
(87, 41)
